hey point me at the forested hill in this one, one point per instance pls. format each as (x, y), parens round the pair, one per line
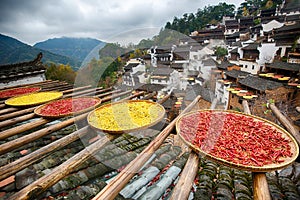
(75, 48)
(190, 22)
(15, 51)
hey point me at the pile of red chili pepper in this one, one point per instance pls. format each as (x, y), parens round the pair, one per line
(236, 138)
(17, 91)
(67, 106)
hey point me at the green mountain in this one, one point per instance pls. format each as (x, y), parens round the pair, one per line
(76, 48)
(14, 51)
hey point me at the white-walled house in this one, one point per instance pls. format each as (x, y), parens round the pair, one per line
(165, 76)
(134, 72)
(206, 68)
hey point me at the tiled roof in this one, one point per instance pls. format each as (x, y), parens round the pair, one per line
(236, 73)
(237, 44)
(284, 66)
(252, 46)
(224, 65)
(13, 70)
(209, 62)
(149, 87)
(260, 84)
(130, 66)
(162, 71)
(286, 28)
(197, 89)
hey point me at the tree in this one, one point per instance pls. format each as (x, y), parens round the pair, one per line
(221, 52)
(191, 22)
(60, 72)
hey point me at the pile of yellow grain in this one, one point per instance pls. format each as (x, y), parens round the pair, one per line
(125, 115)
(33, 98)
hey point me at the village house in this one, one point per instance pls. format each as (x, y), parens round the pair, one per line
(134, 72)
(165, 76)
(23, 73)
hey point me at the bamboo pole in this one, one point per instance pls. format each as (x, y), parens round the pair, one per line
(39, 186)
(6, 147)
(7, 110)
(183, 186)
(16, 113)
(164, 99)
(285, 122)
(85, 92)
(149, 96)
(114, 95)
(111, 190)
(260, 184)
(94, 93)
(2, 105)
(21, 163)
(16, 120)
(77, 89)
(22, 128)
(133, 96)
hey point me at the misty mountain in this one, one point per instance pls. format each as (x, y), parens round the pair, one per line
(15, 51)
(81, 49)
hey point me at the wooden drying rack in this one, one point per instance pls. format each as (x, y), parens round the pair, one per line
(10, 116)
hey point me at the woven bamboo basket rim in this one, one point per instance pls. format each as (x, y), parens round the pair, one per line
(266, 168)
(60, 94)
(11, 89)
(158, 119)
(38, 110)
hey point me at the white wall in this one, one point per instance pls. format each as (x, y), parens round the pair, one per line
(267, 53)
(25, 80)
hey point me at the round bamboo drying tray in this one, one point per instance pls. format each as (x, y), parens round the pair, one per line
(39, 110)
(123, 118)
(33, 99)
(32, 89)
(265, 168)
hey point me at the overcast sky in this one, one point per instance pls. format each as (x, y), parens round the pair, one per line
(123, 21)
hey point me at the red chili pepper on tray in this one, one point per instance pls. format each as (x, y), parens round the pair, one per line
(17, 91)
(236, 138)
(66, 106)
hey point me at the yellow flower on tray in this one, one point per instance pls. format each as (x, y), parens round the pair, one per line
(33, 98)
(126, 116)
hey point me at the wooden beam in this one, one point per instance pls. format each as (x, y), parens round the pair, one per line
(183, 186)
(149, 96)
(116, 185)
(39, 186)
(16, 113)
(163, 100)
(260, 184)
(133, 96)
(16, 120)
(22, 128)
(21, 163)
(285, 122)
(6, 147)
(76, 89)
(6, 110)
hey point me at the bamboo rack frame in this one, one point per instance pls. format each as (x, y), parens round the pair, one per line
(260, 185)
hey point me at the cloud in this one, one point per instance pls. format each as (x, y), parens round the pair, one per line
(32, 21)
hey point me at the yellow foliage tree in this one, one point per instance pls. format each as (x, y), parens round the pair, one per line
(61, 72)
